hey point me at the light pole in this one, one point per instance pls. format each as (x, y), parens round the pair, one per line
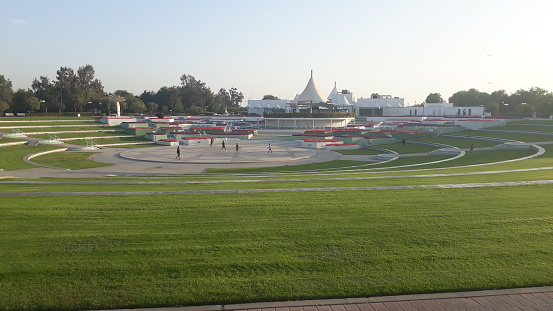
(42, 101)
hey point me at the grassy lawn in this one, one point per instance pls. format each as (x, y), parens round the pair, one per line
(335, 164)
(50, 123)
(69, 253)
(524, 137)
(107, 140)
(361, 151)
(11, 157)
(463, 143)
(152, 144)
(409, 148)
(69, 159)
(75, 128)
(5, 140)
(240, 184)
(541, 122)
(11, 119)
(82, 134)
(525, 127)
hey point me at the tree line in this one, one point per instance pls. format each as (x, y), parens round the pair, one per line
(534, 101)
(81, 91)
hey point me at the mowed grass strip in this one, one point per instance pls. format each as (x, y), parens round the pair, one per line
(73, 160)
(71, 253)
(329, 165)
(50, 123)
(525, 128)
(523, 137)
(11, 157)
(107, 140)
(462, 143)
(79, 134)
(5, 140)
(409, 148)
(74, 128)
(391, 181)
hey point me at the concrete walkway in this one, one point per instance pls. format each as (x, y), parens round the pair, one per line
(531, 299)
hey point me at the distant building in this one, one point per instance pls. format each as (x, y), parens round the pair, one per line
(311, 99)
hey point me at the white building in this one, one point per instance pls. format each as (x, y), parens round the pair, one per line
(311, 99)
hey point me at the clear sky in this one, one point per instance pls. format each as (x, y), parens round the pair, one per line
(402, 48)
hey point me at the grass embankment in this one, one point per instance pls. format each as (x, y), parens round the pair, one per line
(241, 184)
(462, 143)
(409, 148)
(523, 137)
(69, 253)
(79, 134)
(38, 119)
(5, 140)
(107, 140)
(471, 158)
(526, 121)
(42, 123)
(525, 127)
(335, 164)
(69, 159)
(64, 129)
(11, 157)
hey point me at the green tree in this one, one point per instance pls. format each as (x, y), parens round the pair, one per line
(492, 107)
(235, 97)
(46, 91)
(6, 91)
(434, 98)
(3, 106)
(471, 97)
(195, 110)
(20, 100)
(269, 97)
(151, 107)
(65, 84)
(137, 106)
(32, 103)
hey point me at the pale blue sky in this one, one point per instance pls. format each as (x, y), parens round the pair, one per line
(402, 48)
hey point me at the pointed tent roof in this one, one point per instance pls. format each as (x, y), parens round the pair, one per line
(310, 94)
(333, 92)
(342, 100)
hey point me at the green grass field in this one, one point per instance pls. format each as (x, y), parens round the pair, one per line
(44, 123)
(73, 128)
(129, 251)
(136, 251)
(69, 160)
(11, 157)
(524, 137)
(107, 140)
(79, 134)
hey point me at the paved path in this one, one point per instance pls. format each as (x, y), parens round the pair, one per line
(531, 299)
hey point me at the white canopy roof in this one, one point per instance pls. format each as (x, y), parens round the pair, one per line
(311, 94)
(333, 92)
(341, 100)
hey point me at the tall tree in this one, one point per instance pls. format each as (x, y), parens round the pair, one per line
(137, 106)
(66, 86)
(6, 90)
(151, 107)
(471, 97)
(434, 98)
(46, 91)
(269, 97)
(236, 97)
(31, 104)
(6, 94)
